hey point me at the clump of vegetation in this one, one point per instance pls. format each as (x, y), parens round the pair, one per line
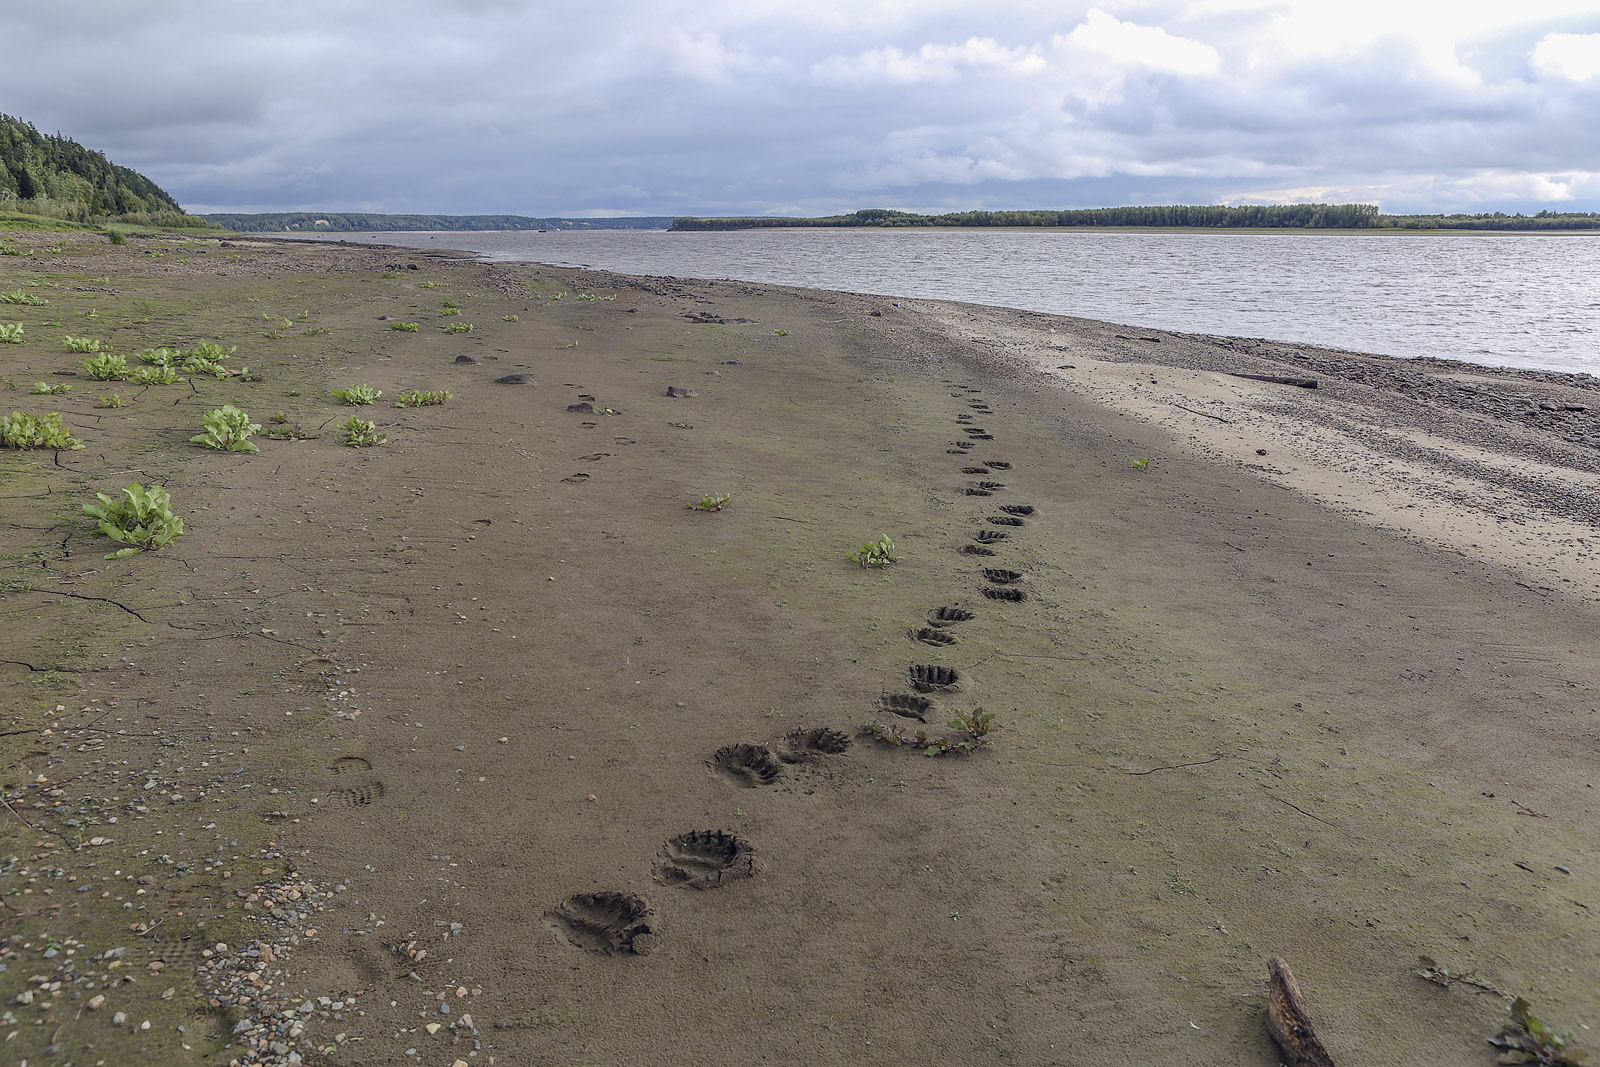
(22, 296)
(11, 333)
(81, 344)
(508, 318)
(1141, 463)
(1527, 1040)
(207, 358)
(879, 553)
(227, 428)
(405, 327)
(714, 502)
(361, 433)
(314, 331)
(113, 401)
(157, 374)
(357, 394)
(417, 398)
(22, 430)
(106, 367)
(159, 357)
(142, 520)
(970, 732)
(47, 389)
(459, 327)
(780, 333)
(449, 307)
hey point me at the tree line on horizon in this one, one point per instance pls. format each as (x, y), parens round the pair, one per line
(55, 176)
(1177, 216)
(368, 222)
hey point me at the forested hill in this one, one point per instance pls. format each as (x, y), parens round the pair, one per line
(44, 174)
(365, 222)
(1250, 216)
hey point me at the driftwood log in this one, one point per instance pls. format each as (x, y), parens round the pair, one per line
(1278, 379)
(1288, 1021)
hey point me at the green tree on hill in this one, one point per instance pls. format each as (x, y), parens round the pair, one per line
(56, 176)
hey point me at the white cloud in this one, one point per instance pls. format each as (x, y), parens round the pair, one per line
(1574, 56)
(1132, 45)
(930, 63)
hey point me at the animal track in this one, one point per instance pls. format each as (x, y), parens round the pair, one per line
(1000, 576)
(1018, 509)
(988, 537)
(948, 616)
(810, 742)
(604, 922)
(956, 451)
(598, 456)
(358, 796)
(929, 636)
(997, 464)
(974, 470)
(1015, 596)
(963, 418)
(925, 678)
(1003, 520)
(976, 550)
(348, 764)
(977, 492)
(981, 436)
(750, 765)
(973, 431)
(991, 486)
(960, 444)
(905, 706)
(575, 479)
(703, 859)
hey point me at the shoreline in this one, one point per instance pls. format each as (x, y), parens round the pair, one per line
(408, 704)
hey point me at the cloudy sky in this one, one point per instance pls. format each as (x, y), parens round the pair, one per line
(662, 107)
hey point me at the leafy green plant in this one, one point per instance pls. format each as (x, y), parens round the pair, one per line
(361, 433)
(405, 327)
(434, 285)
(1527, 1040)
(449, 305)
(142, 519)
(47, 389)
(879, 553)
(290, 431)
(11, 333)
(116, 237)
(22, 430)
(158, 374)
(422, 398)
(314, 331)
(780, 333)
(207, 358)
(113, 401)
(357, 394)
(508, 318)
(970, 733)
(160, 357)
(22, 296)
(7, 249)
(80, 344)
(106, 367)
(1141, 463)
(227, 428)
(714, 502)
(459, 327)
(559, 295)
(272, 335)
(279, 417)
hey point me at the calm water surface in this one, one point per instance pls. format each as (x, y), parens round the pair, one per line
(1514, 300)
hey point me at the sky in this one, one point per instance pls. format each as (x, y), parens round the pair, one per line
(760, 107)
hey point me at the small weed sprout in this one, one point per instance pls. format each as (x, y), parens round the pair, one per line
(879, 553)
(405, 327)
(23, 297)
(46, 389)
(80, 344)
(970, 732)
(458, 327)
(22, 430)
(1527, 1040)
(11, 333)
(559, 295)
(279, 417)
(314, 331)
(714, 502)
(142, 520)
(418, 398)
(228, 429)
(780, 333)
(106, 367)
(155, 374)
(508, 318)
(361, 433)
(113, 401)
(1141, 463)
(357, 394)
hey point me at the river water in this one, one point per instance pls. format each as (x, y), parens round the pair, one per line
(1505, 299)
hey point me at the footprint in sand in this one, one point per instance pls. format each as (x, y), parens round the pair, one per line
(949, 616)
(704, 859)
(576, 479)
(1014, 596)
(928, 635)
(806, 743)
(1018, 509)
(928, 678)
(606, 922)
(906, 706)
(747, 765)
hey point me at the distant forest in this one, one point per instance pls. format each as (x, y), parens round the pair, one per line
(359, 222)
(57, 177)
(1275, 216)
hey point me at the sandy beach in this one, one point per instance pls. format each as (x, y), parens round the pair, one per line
(484, 746)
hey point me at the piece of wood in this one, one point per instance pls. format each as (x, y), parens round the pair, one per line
(1288, 1021)
(1278, 379)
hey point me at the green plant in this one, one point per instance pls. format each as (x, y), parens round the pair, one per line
(361, 433)
(142, 520)
(160, 357)
(46, 389)
(11, 333)
(1527, 1040)
(433, 285)
(22, 430)
(780, 333)
(279, 417)
(357, 394)
(13, 250)
(116, 237)
(20, 296)
(405, 327)
(879, 553)
(227, 428)
(450, 305)
(422, 398)
(714, 502)
(559, 295)
(508, 318)
(245, 374)
(159, 374)
(1141, 463)
(80, 344)
(113, 401)
(291, 432)
(459, 327)
(272, 335)
(207, 358)
(970, 733)
(314, 331)
(106, 367)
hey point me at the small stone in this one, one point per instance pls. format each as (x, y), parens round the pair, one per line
(433, 1028)
(97, 1002)
(119, 1018)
